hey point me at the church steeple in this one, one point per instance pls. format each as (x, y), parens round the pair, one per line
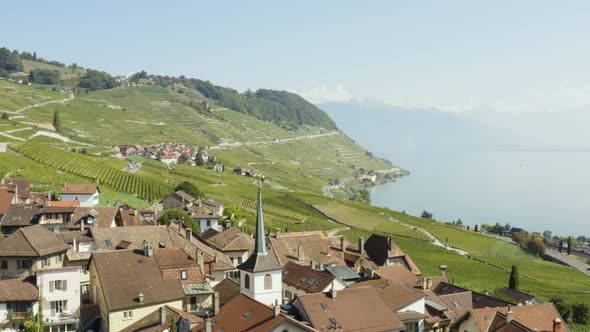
(261, 273)
(260, 243)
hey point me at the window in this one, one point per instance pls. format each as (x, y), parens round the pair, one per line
(59, 258)
(45, 262)
(239, 260)
(108, 243)
(61, 285)
(247, 281)
(128, 314)
(288, 294)
(412, 326)
(59, 307)
(4, 264)
(85, 289)
(183, 275)
(208, 223)
(23, 264)
(268, 281)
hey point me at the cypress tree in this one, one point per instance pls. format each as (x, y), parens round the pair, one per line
(56, 121)
(560, 246)
(569, 245)
(514, 281)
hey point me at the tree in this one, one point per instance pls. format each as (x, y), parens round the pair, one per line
(5, 116)
(426, 215)
(476, 229)
(31, 326)
(580, 314)
(536, 246)
(189, 188)
(459, 222)
(569, 245)
(547, 234)
(44, 76)
(56, 121)
(514, 281)
(582, 239)
(97, 80)
(564, 310)
(520, 238)
(199, 159)
(178, 214)
(233, 212)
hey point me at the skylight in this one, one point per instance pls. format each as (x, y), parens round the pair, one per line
(324, 306)
(247, 314)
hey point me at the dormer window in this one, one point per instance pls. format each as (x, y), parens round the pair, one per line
(183, 275)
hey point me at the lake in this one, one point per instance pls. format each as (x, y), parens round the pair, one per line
(532, 190)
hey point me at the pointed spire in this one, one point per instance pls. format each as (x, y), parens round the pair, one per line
(260, 245)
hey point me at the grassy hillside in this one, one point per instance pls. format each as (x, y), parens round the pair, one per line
(14, 96)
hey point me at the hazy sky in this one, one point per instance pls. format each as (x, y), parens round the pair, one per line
(452, 55)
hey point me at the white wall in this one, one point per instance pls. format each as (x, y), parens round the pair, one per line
(418, 306)
(233, 255)
(71, 294)
(85, 200)
(204, 227)
(257, 291)
(3, 312)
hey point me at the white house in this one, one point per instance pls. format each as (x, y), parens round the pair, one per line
(59, 293)
(86, 194)
(260, 274)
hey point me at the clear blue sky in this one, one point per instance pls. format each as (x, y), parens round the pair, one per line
(454, 55)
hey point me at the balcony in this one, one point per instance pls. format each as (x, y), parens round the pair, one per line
(199, 310)
(61, 318)
(20, 316)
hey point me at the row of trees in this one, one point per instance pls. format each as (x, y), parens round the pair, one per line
(534, 243)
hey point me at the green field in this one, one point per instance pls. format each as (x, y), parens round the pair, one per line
(14, 96)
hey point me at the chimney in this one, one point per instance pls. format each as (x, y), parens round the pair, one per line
(424, 284)
(135, 212)
(208, 327)
(56, 229)
(342, 245)
(201, 260)
(74, 245)
(300, 253)
(277, 308)
(162, 315)
(429, 283)
(389, 243)
(333, 292)
(277, 232)
(140, 298)
(216, 303)
(509, 315)
(557, 325)
(81, 225)
(361, 245)
(147, 251)
(189, 234)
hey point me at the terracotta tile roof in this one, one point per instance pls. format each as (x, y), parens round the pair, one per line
(231, 239)
(124, 274)
(518, 296)
(202, 212)
(82, 189)
(430, 296)
(183, 195)
(23, 185)
(32, 241)
(410, 315)
(479, 300)
(261, 263)
(152, 322)
(6, 196)
(57, 209)
(499, 324)
(316, 247)
(245, 314)
(212, 203)
(209, 233)
(393, 293)
(133, 218)
(227, 289)
(458, 302)
(349, 311)
(20, 215)
(170, 258)
(103, 215)
(20, 289)
(398, 273)
(305, 278)
(539, 316)
(69, 236)
(72, 203)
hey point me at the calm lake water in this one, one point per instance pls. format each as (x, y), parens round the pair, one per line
(533, 190)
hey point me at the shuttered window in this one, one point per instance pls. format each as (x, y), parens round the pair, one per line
(268, 281)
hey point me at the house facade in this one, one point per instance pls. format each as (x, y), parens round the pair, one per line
(19, 301)
(59, 293)
(86, 194)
